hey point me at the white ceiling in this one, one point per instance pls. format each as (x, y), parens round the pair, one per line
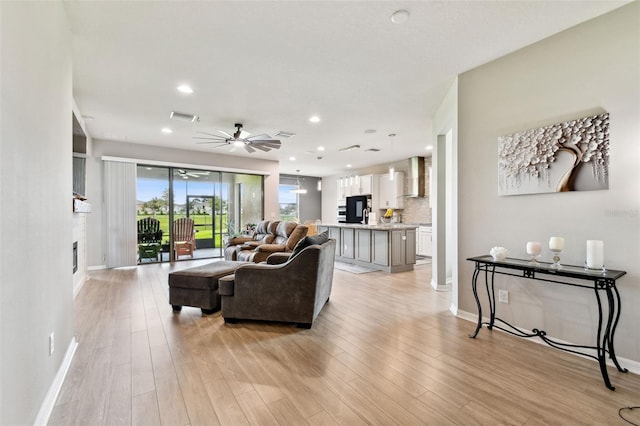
(272, 64)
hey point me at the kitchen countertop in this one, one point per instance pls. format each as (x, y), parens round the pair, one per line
(381, 226)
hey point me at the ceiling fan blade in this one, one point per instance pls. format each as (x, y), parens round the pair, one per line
(226, 135)
(210, 139)
(219, 142)
(211, 134)
(261, 147)
(249, 148)
(271, 144)
(256, 137)
(219, 146)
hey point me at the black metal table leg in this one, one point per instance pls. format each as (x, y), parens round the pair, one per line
(614, 306)
(474, 286)
(601, 343)
(492, 296)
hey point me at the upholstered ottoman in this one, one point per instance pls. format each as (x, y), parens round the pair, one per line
(198, 286)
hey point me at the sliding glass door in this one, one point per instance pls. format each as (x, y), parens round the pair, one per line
(215, 205)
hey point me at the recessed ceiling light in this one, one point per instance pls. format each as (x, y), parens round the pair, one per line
(369, 131)
(183, 88)
(314, 119)
(349, 165)
(429, 148)
(292, 158)
(166, 130)
(400, 16)
(321, 148)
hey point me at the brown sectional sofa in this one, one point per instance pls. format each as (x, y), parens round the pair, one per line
(281, 237)
(294, 291)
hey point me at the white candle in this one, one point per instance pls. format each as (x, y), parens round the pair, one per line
(556, 243)
(595, 254)
(534, 248)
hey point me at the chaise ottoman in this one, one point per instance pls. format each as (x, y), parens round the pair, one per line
(198, 286)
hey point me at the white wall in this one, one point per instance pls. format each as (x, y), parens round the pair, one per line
(36, 295)
(586, 69)
(95, 232)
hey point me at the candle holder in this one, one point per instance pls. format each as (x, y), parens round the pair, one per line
(534, 249)
(556, 259)
(588, 269)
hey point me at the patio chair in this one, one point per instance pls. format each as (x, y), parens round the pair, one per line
(149, 239)
(184, 242)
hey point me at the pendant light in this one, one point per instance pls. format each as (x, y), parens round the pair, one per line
(299, 189)
(391, 168)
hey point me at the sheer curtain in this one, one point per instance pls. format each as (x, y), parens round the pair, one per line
(120, 213)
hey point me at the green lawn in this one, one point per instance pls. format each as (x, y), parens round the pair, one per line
(203, 232)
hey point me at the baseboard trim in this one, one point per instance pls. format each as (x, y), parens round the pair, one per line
(631, 365)
(96, 267)
(50, 399)
(438, 287)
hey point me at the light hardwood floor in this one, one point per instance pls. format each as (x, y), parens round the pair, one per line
(385, 350)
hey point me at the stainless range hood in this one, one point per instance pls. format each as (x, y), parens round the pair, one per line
(416, 179)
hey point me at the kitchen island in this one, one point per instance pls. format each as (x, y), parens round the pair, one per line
(386, 247)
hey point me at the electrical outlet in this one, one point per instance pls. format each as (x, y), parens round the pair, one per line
(51, 344)
(503, 296)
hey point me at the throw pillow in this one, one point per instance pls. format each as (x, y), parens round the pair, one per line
(310, 240)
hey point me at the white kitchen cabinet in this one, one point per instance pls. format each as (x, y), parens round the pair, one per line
(424, 241)
(354, 185)
(364, 185)
(390, 191)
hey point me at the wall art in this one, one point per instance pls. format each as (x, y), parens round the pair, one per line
(568, 156)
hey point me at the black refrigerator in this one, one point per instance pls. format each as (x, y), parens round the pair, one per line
(358, 208)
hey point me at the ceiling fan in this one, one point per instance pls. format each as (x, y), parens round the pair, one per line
(186, 174)
(262, 142)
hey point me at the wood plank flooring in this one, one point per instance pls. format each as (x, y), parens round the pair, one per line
(384, 351)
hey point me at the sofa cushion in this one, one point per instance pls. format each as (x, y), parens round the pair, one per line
(310, 240)
(262, 227)
(296, 235)
(283, 231)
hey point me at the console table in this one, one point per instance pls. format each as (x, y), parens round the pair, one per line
(601, 282)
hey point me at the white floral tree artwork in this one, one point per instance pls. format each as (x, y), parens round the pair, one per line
(568, 156)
